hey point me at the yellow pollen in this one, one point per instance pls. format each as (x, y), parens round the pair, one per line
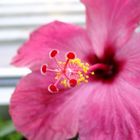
(79, 71)
(87, 76)
(64, 83)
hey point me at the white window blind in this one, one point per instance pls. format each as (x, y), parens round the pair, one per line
(17, 19)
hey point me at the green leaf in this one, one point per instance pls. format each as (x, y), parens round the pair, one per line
(6, 128)
(7, 131)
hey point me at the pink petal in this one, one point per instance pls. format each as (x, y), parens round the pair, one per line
(131, 54)
(56, 35)
(40, 115)
(112, 113)
(111, 21)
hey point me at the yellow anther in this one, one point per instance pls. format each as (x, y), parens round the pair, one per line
(79, 72)
(86, 81)
(82, 78)
(64, 82)
(85, 71)
(92, 73)
(87, 76)
(87, 64)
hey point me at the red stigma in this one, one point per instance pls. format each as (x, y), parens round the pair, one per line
(53, 53)
(73, 82)
(52, 88)
(44, 69)
(70, 55)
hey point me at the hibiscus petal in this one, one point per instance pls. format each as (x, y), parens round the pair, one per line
(40, 115)
(111, 21)
(112, 113)
(56, 35)
(131, 54)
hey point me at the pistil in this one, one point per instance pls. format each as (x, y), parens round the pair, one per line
(99, 66)
(68, 74)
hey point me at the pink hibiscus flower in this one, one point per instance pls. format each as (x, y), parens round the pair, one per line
(89, 82)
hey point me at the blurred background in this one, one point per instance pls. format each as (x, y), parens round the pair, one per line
(17, 19)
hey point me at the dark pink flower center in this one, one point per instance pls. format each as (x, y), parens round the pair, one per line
(105, 68)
